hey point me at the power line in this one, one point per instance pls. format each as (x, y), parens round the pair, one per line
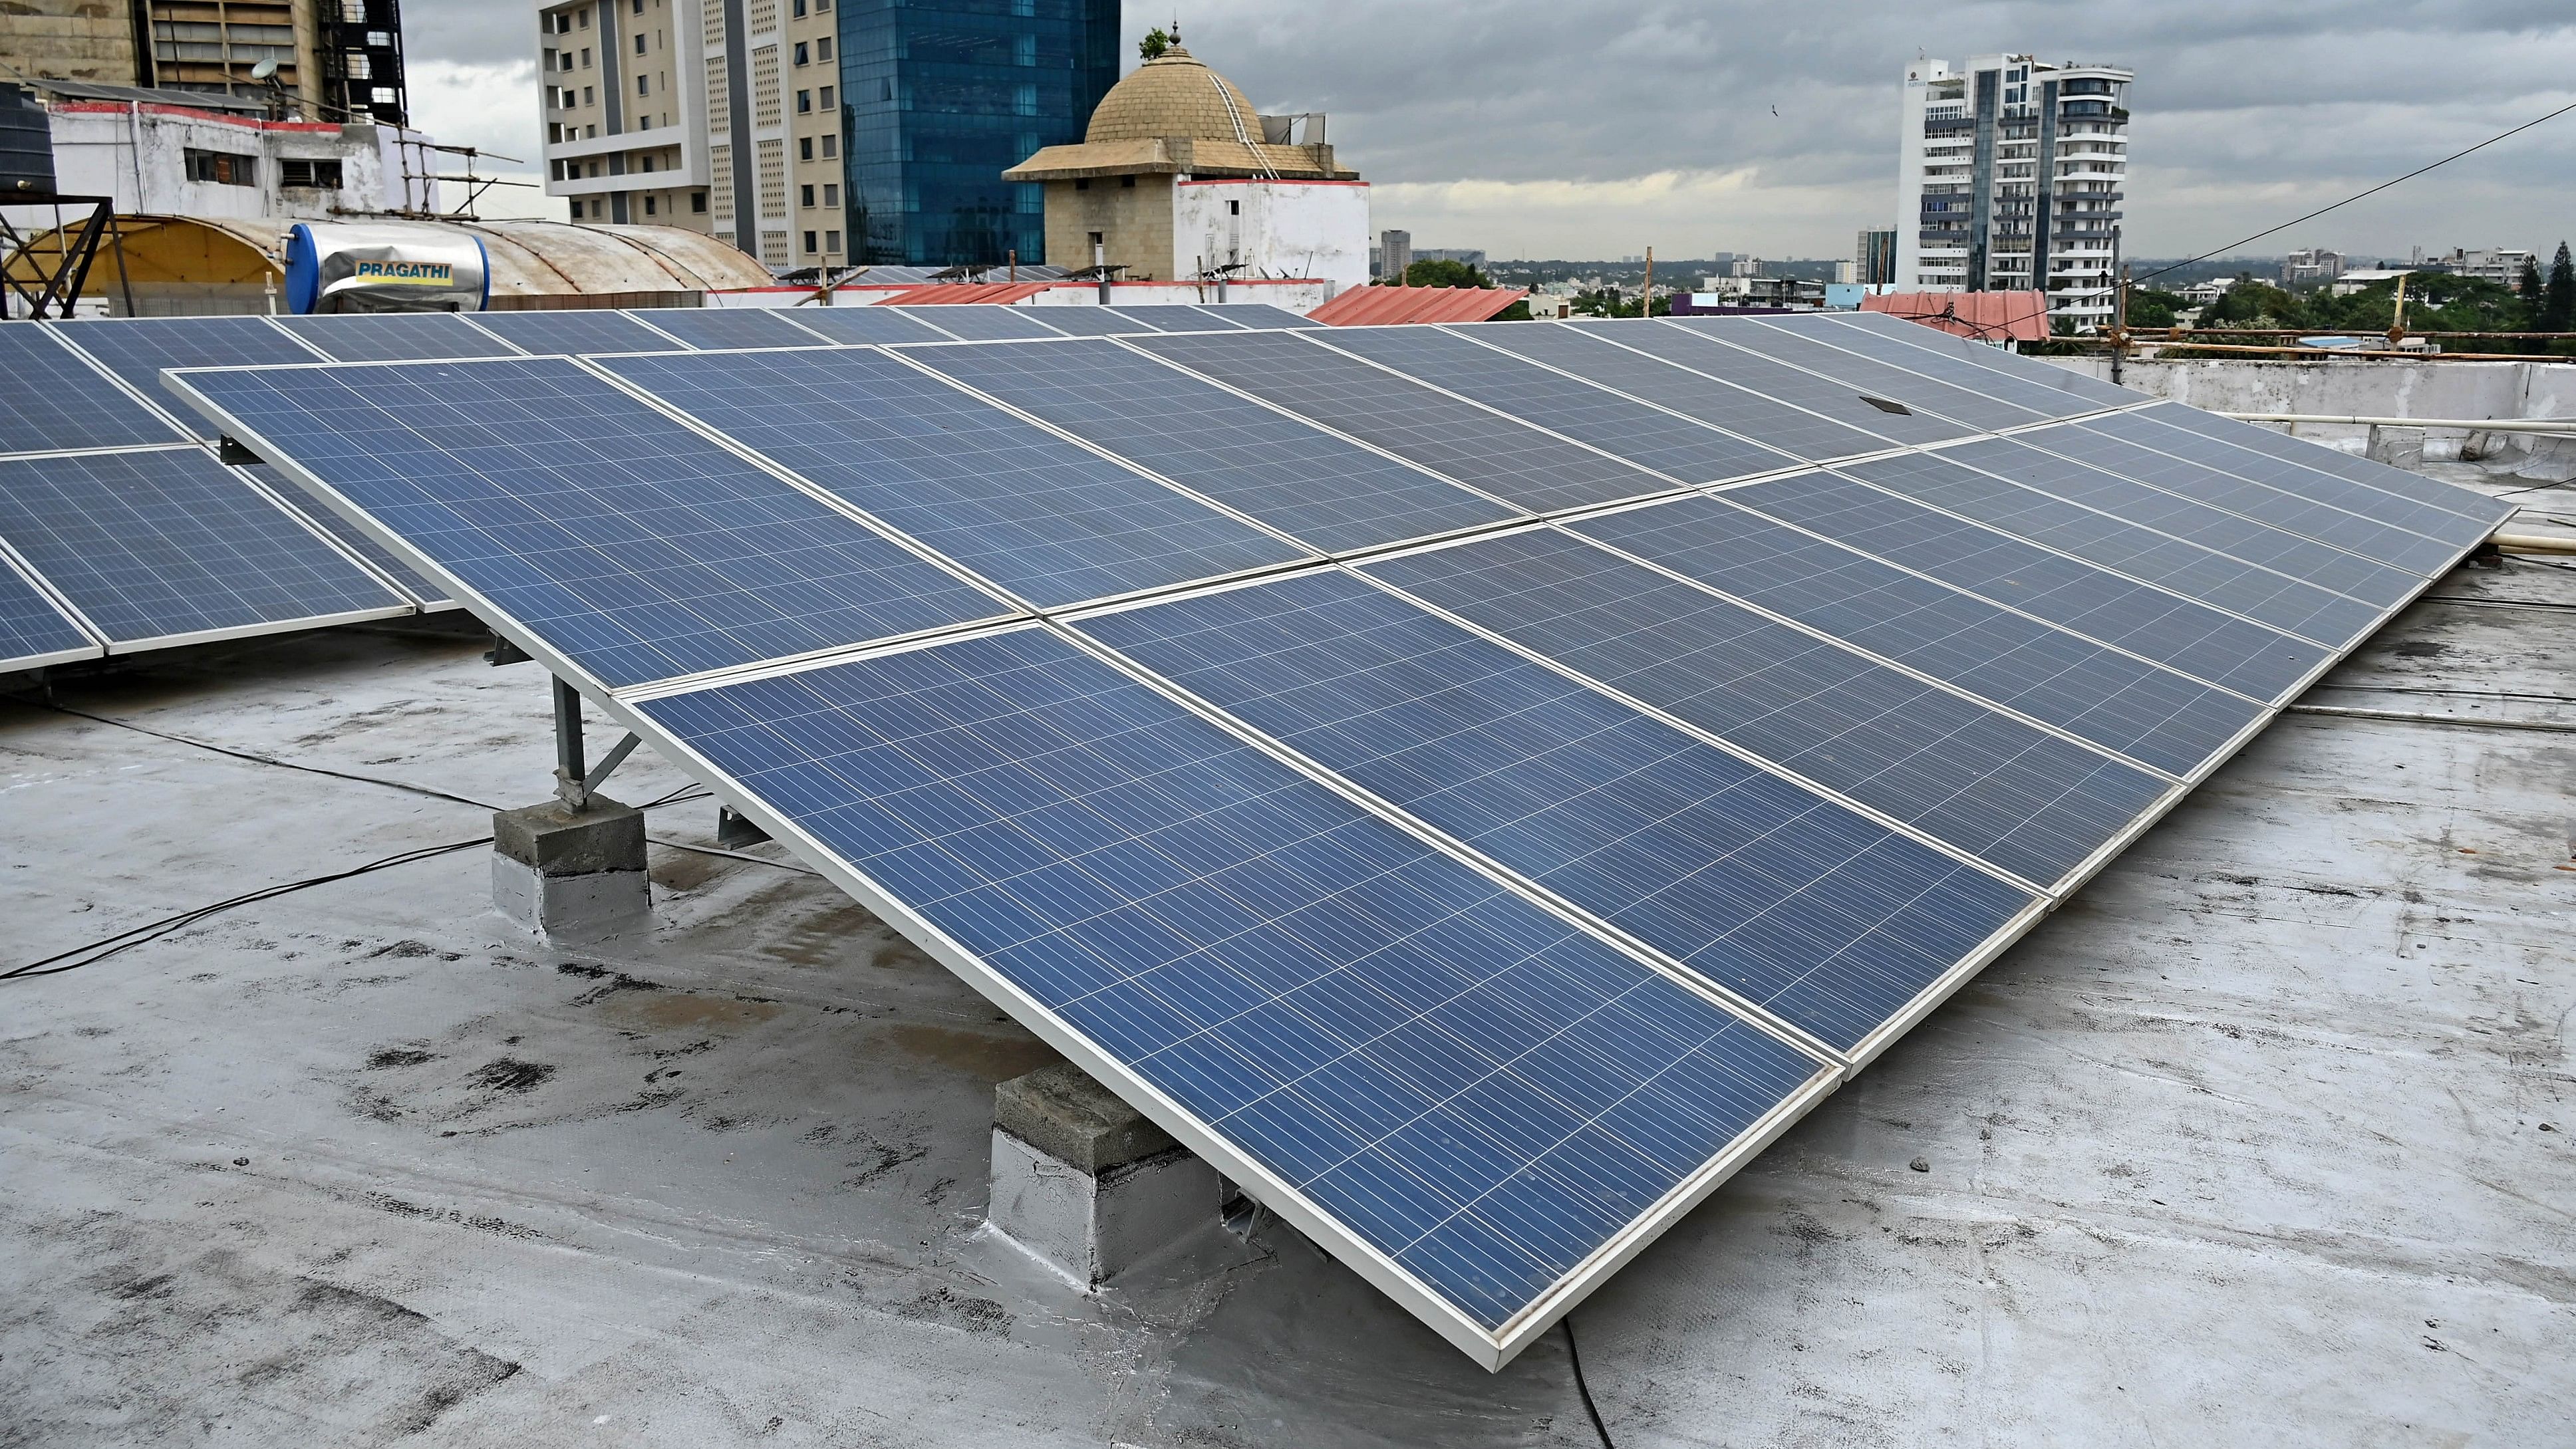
(2374, 191)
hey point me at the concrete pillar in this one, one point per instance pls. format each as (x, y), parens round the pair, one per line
(2397, 447)
(574, 874)
(1085, 1181)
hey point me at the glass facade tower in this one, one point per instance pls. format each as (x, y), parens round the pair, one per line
(938, 99)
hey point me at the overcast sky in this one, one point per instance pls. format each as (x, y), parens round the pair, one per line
(1582, 128)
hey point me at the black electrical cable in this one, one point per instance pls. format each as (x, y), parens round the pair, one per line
(247, 755)
(2349, 200)
(1580, 1387)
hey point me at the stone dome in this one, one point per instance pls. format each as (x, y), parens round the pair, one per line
(1174, 94)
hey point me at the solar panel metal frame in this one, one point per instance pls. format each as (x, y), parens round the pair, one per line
(618, 315)
(114, 390)
(318, 329)
(153, 395)
(14, 569)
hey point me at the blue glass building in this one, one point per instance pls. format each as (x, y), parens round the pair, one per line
(939, 97)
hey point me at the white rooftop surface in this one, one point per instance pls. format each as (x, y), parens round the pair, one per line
(2264, 1139)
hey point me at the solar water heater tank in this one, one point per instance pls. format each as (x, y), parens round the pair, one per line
(363, 267)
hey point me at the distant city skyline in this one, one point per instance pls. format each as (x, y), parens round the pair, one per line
(1578, 128)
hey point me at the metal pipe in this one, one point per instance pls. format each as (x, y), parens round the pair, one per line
(2532, 543)
(2562, 426)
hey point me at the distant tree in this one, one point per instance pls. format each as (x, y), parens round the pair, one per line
(2255, 304)
(2151, 308)
(2530, 288)
(2558, 299)
(1154, 44)
(1517, 312)
(1443, 272)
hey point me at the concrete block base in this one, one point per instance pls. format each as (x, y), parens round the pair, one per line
(1088, 1183)
(2397, 447)
(575, 875)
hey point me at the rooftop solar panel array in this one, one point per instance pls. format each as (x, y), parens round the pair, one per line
(565, 333)
(395, 336)
(54, 401)
(34, 630)
(137, 349)
(1479, 896)
(983, 324)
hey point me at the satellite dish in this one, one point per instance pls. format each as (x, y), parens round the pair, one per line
(264, 69)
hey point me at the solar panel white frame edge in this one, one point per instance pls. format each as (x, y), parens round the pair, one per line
(1492, 1350)
(291, 510)
(16, 566)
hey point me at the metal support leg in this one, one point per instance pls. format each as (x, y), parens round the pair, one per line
(570, 766)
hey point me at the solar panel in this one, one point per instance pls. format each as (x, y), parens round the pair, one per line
(1988, 785)
(34, 631)
(2479, 512)
(984, 322)
(2150, 714)
(1458, 1093)
(1091, 321)
(1808, 909)
(2285, 603)
(565, 501)
(2092, 601)
(303, 505)
(167, 546)
(1687, 451)
(572, 330)
(869, 324)
(1600, 352)
(395, 336)
(2057, 393)
(1457, 439)
(51, 400)
(1259, 314)
(1976, 354)
(1181, 317)
(137, 349)
(728, 326)
(2021, 459)
(1045, 519)
(1329, 494)
(2264, 488)
(1859, 374)
(1874, 423)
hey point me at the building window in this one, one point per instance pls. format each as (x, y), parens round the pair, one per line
(805, 198)
(590, 133)
(831, 241)
(641, 88)
(804, 102)
(804, 148)
(831, 147)
(589, 96)
(222, 168)
(823, 51)
(649, 202)
(809, 241)
(1082, 183)
(832, 197)
(585, 57)
(319, 175)
(698, 202)
(1095, 238)
(800, 9)
(1127, 183)
(581, 17)
(802, 58)
(639, 40)
(827, 98)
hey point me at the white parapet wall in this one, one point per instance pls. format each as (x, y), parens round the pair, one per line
(1316, 229)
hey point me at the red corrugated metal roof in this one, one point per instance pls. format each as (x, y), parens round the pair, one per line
(946, 293)
(1378, 306)
(1986, 316)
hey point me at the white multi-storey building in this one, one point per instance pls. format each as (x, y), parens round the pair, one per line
(2011, 177)
(714, 115)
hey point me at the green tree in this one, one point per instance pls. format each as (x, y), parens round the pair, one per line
(2255, 304)
(1517, 312)
(1154, 44)
(2558, 299)
(2151, 308)
(1443, 272)
(2530, 288)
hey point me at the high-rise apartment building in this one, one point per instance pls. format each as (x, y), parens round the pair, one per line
(2010, 178)
(821, 133)
(336, 60)
(1394, 254)
(1874, 258)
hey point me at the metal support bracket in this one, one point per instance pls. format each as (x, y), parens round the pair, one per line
(575, 780)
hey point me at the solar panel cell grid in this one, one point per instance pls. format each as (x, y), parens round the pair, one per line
(348, 535)
(32, 630)
(570, 331)
(2057, 394)
(1600, 353)
(869, 324)
(1883, 421)
(1860, 374)
(2125, 444)
(1977, 354)
(1801, 905)
(729, 327)
(1326, 492)
(646, 549)
(2437, 510)
(1081, 321)
(137, 349)
(1456, 1079)
(152, 545)
(395, 336)
(1686, 450)
(1183, 318)
(2031, 461)
(2068, 592)
(1456, 439)
(978, 322)
(1049, 521)
(50, 399)
(1989, 785)
(1260, 314)
(2148, 714)
(2187, 569)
